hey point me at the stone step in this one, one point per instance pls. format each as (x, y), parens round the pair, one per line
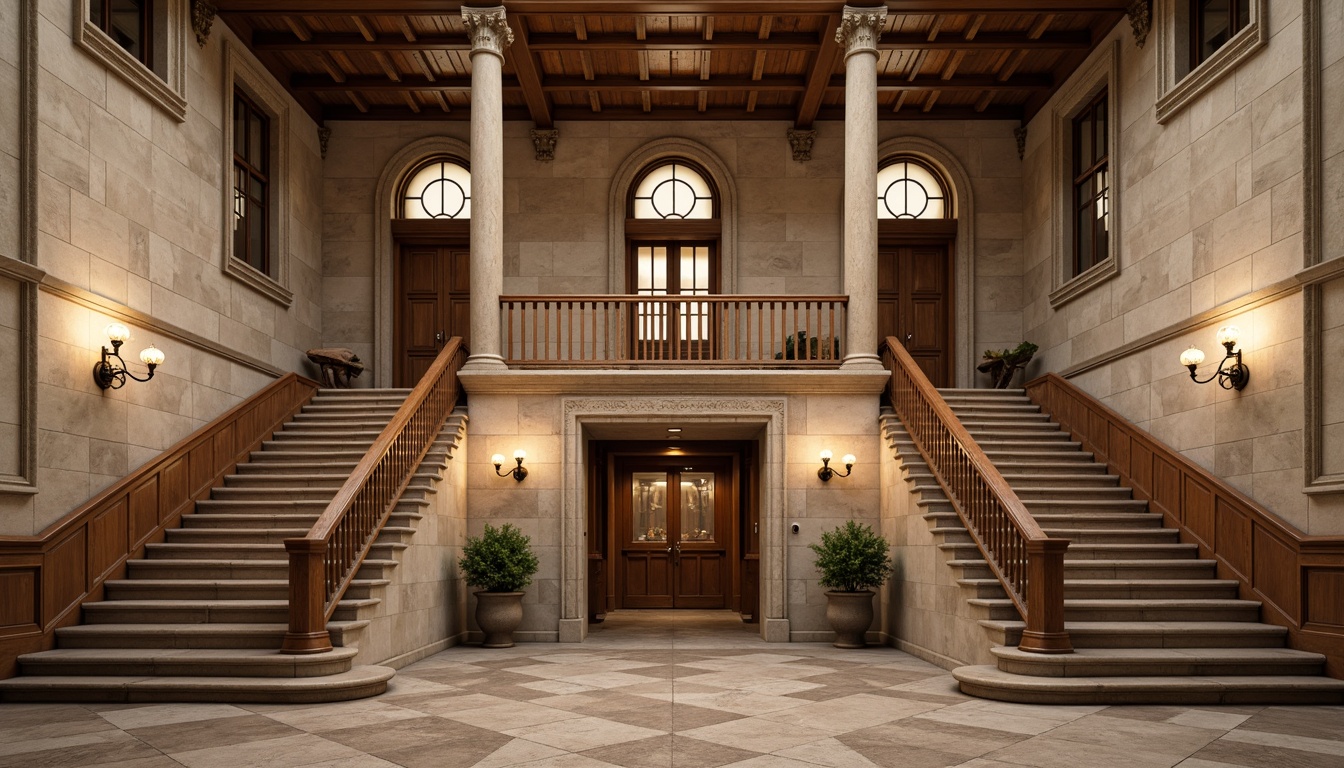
(305, 520)
(1138, 610)
(987, 407)
(422, 479)
(357, 683)
(390, 534)
(336, 443)
(274, 456)
(1054, 469)
(999, 432)
(1026, 491)
(180, 662)
(1165, 662)
(1124, 589)
(237, 551)
(1109, 569)
(207, 507)
(1081, 536)
(346, 406)
(222, 589)
(288, 434)
(993, 683)
(1153, 634)
(1099, 520)
(1093, 551)
(1025, 421)
(206, 611)
(205, 568)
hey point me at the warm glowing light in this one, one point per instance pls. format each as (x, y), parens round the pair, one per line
(497, 460)
(848, 460)
(519, 454)
(117, 332)
(1192, 356)
(1229, 334)
(674, 429)
(151, 355)
(826, 455)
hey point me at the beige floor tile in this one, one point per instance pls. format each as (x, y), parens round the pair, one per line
(849, 714)
(458, 752)
(827, 752)
(60, 728)
(557, 688)
(738, 702)
(1304, 743)
(964, 740)
(1259, 756)
(1202, 718)
(1164, 738)
(346, 714)
(771, 761)
(517, 752)
(1315, 722)
(202, 734)
(579, 734)
(169, 714)
(669, 750)
(1028, 719)
(756, 734)
(505, 717)
(1045, 752)
(80, 749)
(292, 751)
(378, 738)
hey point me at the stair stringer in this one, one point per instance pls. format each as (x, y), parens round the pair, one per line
(925, 610)
(422, 606)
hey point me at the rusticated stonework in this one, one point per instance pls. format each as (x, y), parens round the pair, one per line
(488, 30)
(655, 405)
(860, 29)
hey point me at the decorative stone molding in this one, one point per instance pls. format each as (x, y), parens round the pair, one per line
(543, 141)
(860, 29)
(202, 18)
(323, 139)
(1177, 86)
(1140, 13)
(488, 30)
(26, 279)
(801, 143)
(1020, 133)
(166, 84)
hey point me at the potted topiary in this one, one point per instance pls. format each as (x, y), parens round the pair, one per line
(852, 559)
(501, 563)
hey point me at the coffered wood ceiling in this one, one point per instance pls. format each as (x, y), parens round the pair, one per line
(708, 60)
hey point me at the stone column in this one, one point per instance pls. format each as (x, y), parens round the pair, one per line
(490, 35)
(858, 32)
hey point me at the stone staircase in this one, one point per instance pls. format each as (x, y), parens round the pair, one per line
(1150, 622)
(201, 616)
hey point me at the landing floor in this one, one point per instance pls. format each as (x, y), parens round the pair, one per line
(670, 688)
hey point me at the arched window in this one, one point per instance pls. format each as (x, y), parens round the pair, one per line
(439, 189)
(908, 189)
(673, 231)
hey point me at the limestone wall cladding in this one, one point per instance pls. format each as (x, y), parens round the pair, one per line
(557, 213)
(10, 78)
(1211, 210)
(130, 208)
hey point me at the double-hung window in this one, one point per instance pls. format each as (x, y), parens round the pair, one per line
(251, 184)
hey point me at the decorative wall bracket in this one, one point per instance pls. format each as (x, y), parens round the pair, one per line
(323, 139)
(202, 19)
(801, 143)
(1020, 133)
(1140, 13)
(543, 141)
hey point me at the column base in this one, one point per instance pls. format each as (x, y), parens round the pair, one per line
(858, 362)
(573, 630)
(775, 630)
(484, 362)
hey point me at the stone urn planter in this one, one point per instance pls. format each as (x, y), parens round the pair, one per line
(852, 560)
(499, 561)
(498, 614)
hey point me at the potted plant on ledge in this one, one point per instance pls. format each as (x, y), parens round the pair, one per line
(500, 562)
(852, 559)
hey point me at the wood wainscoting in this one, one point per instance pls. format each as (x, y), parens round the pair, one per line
(1298, 578)
(44, 579)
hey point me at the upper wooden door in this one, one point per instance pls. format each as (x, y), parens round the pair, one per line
(674, 522)
(914, 298)
(433, 305)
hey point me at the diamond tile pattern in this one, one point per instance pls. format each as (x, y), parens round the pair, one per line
(653, 688)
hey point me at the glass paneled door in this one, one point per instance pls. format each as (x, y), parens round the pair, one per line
(673, 330)
(673, 520)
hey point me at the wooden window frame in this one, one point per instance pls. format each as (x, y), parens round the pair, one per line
(104, 25)
(1082, 180)
(1238, 19)
(264, 263)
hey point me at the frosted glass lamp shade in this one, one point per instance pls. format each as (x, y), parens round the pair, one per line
(826, 455)
(848, 459)
(497, 459)
(117, 332)
(151, 355)
(1229, 334)
(1192, 356)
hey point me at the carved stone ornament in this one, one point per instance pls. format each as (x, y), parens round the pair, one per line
(860, 29)
(801, 142)
(1020, 133)
(202, 18)
(323, 138)
(1140, 14)
(488, 30)
(543, 140)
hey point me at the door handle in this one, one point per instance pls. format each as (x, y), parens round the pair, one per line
(676, 555)
(438, 337)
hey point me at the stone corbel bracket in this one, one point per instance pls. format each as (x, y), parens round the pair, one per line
(1020, 133)
(543, 141)
(1140, 13)
(202, 19)
(801, 143)
(323, 139)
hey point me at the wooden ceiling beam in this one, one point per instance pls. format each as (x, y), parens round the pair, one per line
(338, 112)
(819, 76)
(672, 84)
(694, 41)
(682, 8)
(960, 83)
(529, 75)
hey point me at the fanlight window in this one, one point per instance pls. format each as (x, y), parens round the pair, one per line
(909, 190)
(439, 189)
(674, 191)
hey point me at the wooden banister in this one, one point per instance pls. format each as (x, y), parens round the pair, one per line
(322, 563)
(44, 579)
(1298, 578)
(1029, 564)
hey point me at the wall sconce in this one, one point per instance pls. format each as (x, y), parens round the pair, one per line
(1234, 376)
(113, 376)
(826, 473)
(519, 472)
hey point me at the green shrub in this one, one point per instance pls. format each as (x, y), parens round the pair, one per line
(852, 558)
(499, 560)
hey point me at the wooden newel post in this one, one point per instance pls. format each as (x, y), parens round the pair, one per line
(1045, 598)
(307, 597)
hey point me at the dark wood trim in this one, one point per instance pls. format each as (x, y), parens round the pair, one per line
(1298, 578)
(52, 574)
(529, 76)
(911, 231)
(431, 231)
(664, 8)
(663, 114)
(819, 76)
(683, 229)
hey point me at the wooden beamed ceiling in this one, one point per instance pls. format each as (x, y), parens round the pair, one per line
(707, 60)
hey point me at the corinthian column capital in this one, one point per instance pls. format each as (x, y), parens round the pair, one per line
(860, 28)
(488, 30)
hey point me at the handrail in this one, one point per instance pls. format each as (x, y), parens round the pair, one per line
(45, 578)
(696, 330)
(1028, 563)
(1296, 577)
(322, 563)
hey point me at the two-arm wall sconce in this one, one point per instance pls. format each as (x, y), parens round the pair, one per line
(113, 376)
(826, 473)
(519, 472)
(1233, 376)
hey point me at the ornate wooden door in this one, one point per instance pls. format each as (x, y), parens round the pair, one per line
(433, 305)
(914, 298)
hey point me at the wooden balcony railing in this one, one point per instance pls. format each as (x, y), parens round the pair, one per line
(44, 579)
(1298, 579)
(1029, 564)
(322, 563)
(727, 331)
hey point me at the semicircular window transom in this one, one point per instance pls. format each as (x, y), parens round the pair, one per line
(673, 191)
(439, 189)
(910, 190)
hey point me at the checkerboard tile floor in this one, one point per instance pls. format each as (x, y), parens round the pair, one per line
(669, 689)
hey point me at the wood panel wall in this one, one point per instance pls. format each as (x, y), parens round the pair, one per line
(1299, 578)
(44, 579)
